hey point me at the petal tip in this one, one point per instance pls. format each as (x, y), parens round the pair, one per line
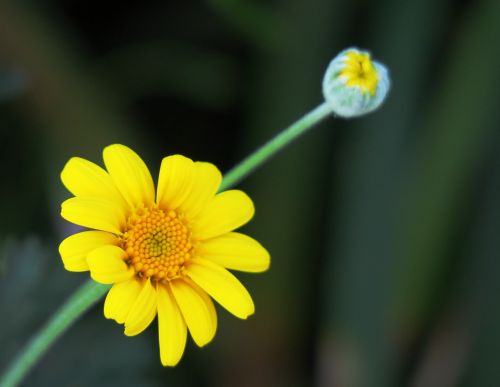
(266, 264)
(114, 147)
(170, 362)
(248, 314)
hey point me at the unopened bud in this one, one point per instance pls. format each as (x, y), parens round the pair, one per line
(354, 84)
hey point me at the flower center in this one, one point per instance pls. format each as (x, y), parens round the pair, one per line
(360, 72)
(157, 244)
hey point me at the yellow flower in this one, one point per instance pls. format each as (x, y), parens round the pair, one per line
(164, 254)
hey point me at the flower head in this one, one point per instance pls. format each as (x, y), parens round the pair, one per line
(165, 252)
(354, 84)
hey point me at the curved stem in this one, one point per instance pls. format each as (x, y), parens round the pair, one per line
(273, 146)
(79, 302)
(90, 292)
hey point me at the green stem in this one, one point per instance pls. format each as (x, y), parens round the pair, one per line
(91, 292)
(80, 301)
(273, 146)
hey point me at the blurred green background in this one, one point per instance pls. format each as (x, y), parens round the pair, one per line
(384, 231)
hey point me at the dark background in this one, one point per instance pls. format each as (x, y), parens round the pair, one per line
(384, 231)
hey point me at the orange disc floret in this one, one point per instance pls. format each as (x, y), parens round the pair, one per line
(157, 244)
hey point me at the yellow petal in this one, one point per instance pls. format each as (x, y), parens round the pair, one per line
(95, 213)
(107, 266)
(84, 178)
(226, 212)
(120, 299)
(206, 182)
(235, 251)
(143, 311)
(74, 249)
(198, 311)
(222, 286)
(175, 181)
(171, 327)
(130, 175)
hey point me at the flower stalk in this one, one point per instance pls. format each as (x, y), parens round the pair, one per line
(273, 146)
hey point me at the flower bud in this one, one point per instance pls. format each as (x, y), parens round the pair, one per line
(354, 84)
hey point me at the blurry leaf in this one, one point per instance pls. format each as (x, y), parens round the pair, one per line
(478, 286)
(458, 132)
(197, 75)
(256, 21)
(26, 290)
(13, 82)
(77, 112)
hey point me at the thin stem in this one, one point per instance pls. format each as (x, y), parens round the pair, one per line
(273, 146)
(80, 301)
(90, 292)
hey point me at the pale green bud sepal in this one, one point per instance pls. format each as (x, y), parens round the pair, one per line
(354, 84)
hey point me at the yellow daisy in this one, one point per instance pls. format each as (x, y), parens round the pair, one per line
(165, 254)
